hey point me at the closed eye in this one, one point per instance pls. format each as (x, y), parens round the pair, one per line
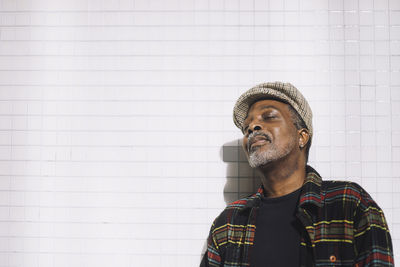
(268, 116)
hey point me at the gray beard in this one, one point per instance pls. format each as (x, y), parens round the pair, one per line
(259, 157)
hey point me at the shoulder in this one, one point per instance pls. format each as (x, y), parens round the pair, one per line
(241, 203)
(237, 212)
(340, 191)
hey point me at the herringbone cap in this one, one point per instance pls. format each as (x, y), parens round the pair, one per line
(275, 90)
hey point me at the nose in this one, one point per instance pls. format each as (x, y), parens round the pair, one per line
(253, 127)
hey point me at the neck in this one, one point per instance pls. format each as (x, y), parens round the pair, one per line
(282, 177)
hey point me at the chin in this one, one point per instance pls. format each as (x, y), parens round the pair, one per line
(261, 157)
(256, 160)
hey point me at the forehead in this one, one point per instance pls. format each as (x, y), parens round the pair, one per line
(268, 103)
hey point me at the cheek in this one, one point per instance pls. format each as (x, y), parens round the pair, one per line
(292, 138)
(284, 135)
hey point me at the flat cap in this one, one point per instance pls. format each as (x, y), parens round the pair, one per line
(284, 92)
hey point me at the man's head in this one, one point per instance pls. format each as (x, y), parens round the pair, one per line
(276, 121)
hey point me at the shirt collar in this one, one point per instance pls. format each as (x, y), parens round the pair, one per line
(310, 192)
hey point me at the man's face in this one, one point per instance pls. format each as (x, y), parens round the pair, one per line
(270, 134)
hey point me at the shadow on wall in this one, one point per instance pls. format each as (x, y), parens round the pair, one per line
(241, 179)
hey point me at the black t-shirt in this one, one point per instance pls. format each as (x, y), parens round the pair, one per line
(277, 237)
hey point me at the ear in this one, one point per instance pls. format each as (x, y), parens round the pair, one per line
(304, 137)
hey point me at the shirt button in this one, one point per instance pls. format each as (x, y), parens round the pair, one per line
(332, 258)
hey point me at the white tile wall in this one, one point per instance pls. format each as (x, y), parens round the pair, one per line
(115, 117)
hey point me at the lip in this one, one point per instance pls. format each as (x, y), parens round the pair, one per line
(257, 141)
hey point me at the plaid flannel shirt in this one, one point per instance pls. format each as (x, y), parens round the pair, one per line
(343, 226)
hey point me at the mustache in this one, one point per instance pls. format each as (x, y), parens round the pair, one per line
(253, 135)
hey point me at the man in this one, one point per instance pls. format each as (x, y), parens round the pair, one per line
(295, 218)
